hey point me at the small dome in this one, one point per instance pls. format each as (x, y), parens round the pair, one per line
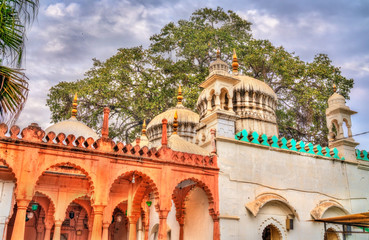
(187, 121)
(336, 99)
(176, 143)
(250, 84)
(72, 126)
(218, 66)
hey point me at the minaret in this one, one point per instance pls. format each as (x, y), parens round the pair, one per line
(215, 103)
(338, 115)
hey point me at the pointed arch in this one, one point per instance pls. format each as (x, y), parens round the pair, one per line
(261, 200)
(10, 169)
(50, 209)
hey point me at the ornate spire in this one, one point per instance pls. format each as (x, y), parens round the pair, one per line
(334, 88)
(144, 128)
(179, 97)
(74, 106)
(175, 123)
(234, 62)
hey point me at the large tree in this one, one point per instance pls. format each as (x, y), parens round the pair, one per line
(139, 83)
(15, 16)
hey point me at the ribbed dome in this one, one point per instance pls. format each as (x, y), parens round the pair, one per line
(72, 126)
(187, 121)
(250, 84)
(336, 99)
(177, 143)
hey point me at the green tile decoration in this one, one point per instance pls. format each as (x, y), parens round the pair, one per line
(365, 155)
(283, 143)
(318, 150)
(263, 139)
(254, 137)
(292, 144)
(301, 146)
(358, 154)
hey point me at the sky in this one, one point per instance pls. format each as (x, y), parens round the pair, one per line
(67, 35)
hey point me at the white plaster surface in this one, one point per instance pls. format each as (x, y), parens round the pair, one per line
(6, 196)
(304, 180)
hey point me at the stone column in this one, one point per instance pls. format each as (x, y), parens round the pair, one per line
(105, 233)
(216, 233)
(47, 232)
(132, 228)
(140, 230)
(20, 219)
(147, 228)
(57, 229)
(97, 225)
(181, 231)
(163, 214)
(208, 108)
(217, 101)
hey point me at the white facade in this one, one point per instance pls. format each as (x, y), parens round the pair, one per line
(6, 203)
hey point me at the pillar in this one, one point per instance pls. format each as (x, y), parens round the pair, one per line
(147, 228)
(181, 231)
(20, 219)
(105, 233)
(57, 229)
(97, 225)
(216, 233)
(140, 229)
(47, 232)
(217, 101)
(132, 228)
(208, 108)
(163, 214)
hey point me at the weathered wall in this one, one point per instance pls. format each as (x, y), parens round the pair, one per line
(304, 180)
(6, 196)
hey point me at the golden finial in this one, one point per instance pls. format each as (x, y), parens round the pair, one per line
(334, 87)
(179, 97)
(74, 106)
(234, 62)
(144, 128)
(218, 53)
(175, 123)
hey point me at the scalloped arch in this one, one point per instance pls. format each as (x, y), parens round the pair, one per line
(10, 169)
(90, 181)
(51, 202)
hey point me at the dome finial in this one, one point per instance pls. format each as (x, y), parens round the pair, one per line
(334, 88)
(218, 53)
(175, 123)
(144, 128)
(179, 97)
(235, 62)
(74, 106)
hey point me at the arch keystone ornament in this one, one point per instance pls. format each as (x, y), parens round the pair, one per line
(323, 206)
(261, 200)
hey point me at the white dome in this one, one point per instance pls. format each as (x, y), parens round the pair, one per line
(72, 126)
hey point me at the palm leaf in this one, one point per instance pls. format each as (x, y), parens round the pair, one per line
(13, 93)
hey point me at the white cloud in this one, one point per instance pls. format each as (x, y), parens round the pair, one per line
(59, 10)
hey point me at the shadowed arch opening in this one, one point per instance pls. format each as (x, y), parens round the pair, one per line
(68, 169)
(271, 232)
(194, 208)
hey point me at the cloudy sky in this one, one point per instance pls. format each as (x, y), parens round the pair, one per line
(68, 34)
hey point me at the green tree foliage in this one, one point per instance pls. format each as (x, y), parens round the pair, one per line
(15, 15)
(139, 83)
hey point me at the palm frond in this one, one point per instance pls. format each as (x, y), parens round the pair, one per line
(13, 93)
